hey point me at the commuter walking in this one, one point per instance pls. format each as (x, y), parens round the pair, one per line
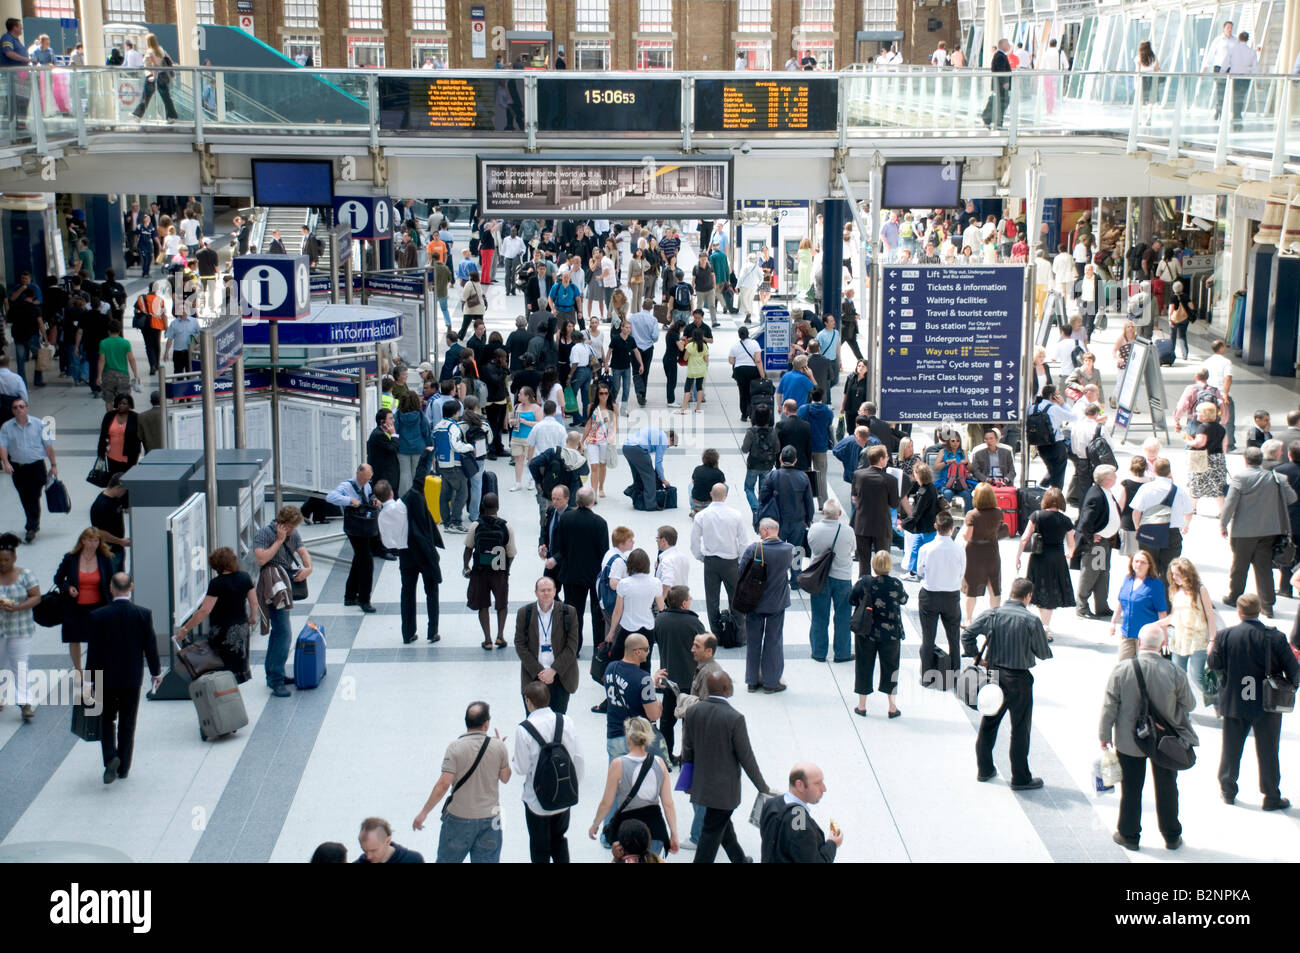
(546, 641)
(405, 527)
(25, 445)
(878, 599)
(545, 726)
(282, 560)
(21, 592)
(829, 533)
(1254, 516)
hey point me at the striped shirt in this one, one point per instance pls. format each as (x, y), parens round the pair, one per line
(1014, 636)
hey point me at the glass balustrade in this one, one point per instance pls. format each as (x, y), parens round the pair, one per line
(1160, 111)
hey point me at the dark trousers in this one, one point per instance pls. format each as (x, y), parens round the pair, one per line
(717, 830)
(645, 482)
(670, 379)
(852, 342)
(180, 362)
(1018, 692)
(720, 572)
(1056, 457)
(889, 653)
(512, 265)
(868, 546)
(1094, 579)
(934, 607)
(559, 698)
(575, 594)
(641, 378)
(412, 568)
(620, 637)
(362, 574)
(1165, 781)
(1268, 730)
(120, 707)
(496, 417)
(29, 481)
(164, 91)
(744, 376)
(765, 649)
(152, 347)
(668, 721)
(1256, 551)
(1167, 555)
(546, 841)
(91, 350)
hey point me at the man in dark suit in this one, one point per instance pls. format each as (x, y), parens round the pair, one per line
(546, 641)
(1292, 432)
(790, 835)
(121, 636)
(996, 109)
(765, 626)
(550, 523)
(277, 244)
(889, 436)
(716, 741)
(793, 431)
(1290, 471)
(406, 526)
(1095, 534)
(787, 498)
(1246, 654)
(581, 540)
(875, 493)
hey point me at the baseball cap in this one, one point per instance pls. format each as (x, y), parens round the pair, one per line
(206, 240)
(425, 366)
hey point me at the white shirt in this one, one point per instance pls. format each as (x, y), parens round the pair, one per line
(1080, 253)
(1062, 348)
(545, 635)
(1220, 369)
(942, 563)
(133, 59)
(1217, 54)
(1112, 514)
(618, 569)
(579, 355)
(392, 524)
(674, 567)
(1154, 493)
(547, 434)
(1063, 267)
(939, 58)
(987, 230)
(189, 229)
(527, 750)
(1051, 60)
(11, 384)
(596, 343)
(721, 531)
(1081, 433)
(512, 247)
(1242, 59)
(744, 351)
(609, 277)
(638, 593)
(171, 245)
(972, 236)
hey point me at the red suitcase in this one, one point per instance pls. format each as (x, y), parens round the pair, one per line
(1009, 503)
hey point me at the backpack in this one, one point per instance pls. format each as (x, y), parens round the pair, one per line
(905, 230)
(682, 297)
(1206, 395)
(554, 779)
(490, 540)
(1099, 452)
(1010, 229)
(1038, 428)
(604, 591)
(1134, 257)
(765, 449)
(442, 448)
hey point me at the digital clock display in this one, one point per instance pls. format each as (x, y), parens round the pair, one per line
(607, 105)
(766, 105)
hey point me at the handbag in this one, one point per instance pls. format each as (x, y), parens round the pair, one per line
(1198, 461)
(974, 677)
(610, 833)
(813, 579)
(298, 586)
(87, 726)
(473, 300)
(1155, 736)
(611, 456)
(198, 657)
(1155, 536)
(44, 360)
(98, 475)
(839, 429)
(751, 583)
(600, 661)
(446, 804)
(570, 400)
(57, 499)
(1211, 682)
(48, 613)
(1284, 545)
(1278, 696)
(1034, 545)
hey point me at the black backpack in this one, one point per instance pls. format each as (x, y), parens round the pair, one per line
(1099, 453)
(682, 297)
(490, 540)
(1038, 428)
(765, 449)
(1134, 257)
(555, 781)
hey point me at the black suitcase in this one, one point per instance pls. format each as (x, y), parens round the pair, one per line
(728, 633)
(1031, 501)
(1165, 350)
(762, 393)
(490, 484)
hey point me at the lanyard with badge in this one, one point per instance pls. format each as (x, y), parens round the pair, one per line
(544, 632)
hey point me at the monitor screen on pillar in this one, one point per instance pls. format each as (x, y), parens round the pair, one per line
(922, 184)
(294, 182)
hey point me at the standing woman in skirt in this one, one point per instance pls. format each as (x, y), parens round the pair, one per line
(1049, 570)
(878, 631)
(984, 527)
(1207, 467)
(83, 577)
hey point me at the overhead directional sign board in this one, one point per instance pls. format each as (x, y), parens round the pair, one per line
(951, 343)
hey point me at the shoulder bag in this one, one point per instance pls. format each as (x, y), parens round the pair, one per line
(974, 677)
(813, 579)
(1155, 536)
(48, 613)
(1156, 736)
(751, 583)
(1284, 545)
(1278, 696)
(198, 657)
(98, 475)
(473, 299)
(610, 833)
(446, 804)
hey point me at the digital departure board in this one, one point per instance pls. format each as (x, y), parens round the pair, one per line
(450, 103)
(766, 105)
(609, 105)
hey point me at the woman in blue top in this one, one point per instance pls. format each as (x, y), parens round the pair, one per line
(1141, 602)
(527, 413)
(952, 472)
(414, 437)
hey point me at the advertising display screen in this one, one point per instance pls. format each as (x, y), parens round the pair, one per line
(563, 187)
(451, 103)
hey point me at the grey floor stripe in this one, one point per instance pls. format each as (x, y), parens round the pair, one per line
(30, 758)
(247, 820)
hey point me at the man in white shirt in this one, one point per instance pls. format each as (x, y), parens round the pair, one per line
(512, 251)
(940, 56)
(672, 565)
(133, 58)
(793, 62)
(1216, 59)
(546, 828)
(1155, 502)
(416, 555)
(941, 563)
(1063, 271)
(549, 433)
(718, 538)
(1242, 62)
(11, 384)
(742, 62)
(1220, 368)
(972, 237)
(1055, 456)
(1062, 353)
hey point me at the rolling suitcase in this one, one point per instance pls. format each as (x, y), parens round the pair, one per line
(309, 656)
(1009, 503)
(433, 496)
(762, 393)
(219, 704)
(1031, 500)
(1165, 351)
(490, 484)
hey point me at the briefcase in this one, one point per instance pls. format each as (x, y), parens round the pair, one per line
(86, 726)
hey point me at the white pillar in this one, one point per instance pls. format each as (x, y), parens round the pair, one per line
(91, 13)
(189, 35)
(992, 31)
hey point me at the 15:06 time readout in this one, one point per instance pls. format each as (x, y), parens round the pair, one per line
(610, 97)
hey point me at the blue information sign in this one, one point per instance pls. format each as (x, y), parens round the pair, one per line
(228, 340)
(775, 338)
(952, 340)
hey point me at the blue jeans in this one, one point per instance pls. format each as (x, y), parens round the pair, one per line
(475, 495)
(835, 596)
(24, 350)
(918, 540)
(446, 315)
(754, 486)
(480, 839)
(277, 647)
(623, 376)
(697, 824)
(580, 382)
(949, 493)
(1193, 665)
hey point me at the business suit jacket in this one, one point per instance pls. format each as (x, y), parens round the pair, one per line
(121, 640)
(980, 464)
(276, 247)
(1291, 473)
(1288, 436)
(1168, 690)
(796, 432)
(564, 644)
(422, 537)
(547, 536)
(778, 555)
(381, 454)
(151, 429)
(876, 493)
(788, 842)
(889, 436)
(787, 498)
(1252, 508)
(716, 741)
(581, 541)
(675, 631)
(1249, 650)
(1093, 516)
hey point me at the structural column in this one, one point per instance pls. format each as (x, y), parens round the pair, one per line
(835, 213)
